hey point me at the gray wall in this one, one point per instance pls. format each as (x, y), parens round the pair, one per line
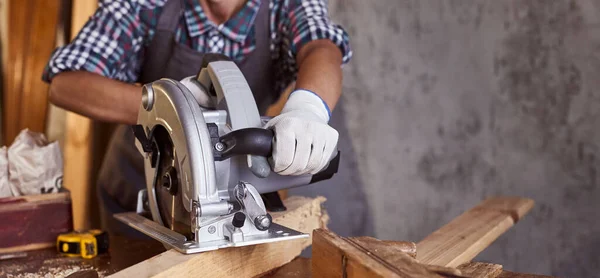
(448, 102)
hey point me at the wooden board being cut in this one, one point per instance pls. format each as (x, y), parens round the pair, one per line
(480, 270)
(303, 214)
(459, 241)
(334, 256)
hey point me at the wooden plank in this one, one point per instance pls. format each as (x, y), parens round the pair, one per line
(33, 222)
(466, 236)
(385, 248)
(480, 270)
(389, 251)
(303, 214)
(334, 256)
(78, 157)
(298, 268)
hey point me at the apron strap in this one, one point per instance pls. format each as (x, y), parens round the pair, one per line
(170, 15)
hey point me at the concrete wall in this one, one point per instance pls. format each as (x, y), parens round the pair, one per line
(447, 102)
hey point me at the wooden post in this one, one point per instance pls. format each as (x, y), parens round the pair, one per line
(335, 256)
(78, 158)
(459, 241)
(28, 42)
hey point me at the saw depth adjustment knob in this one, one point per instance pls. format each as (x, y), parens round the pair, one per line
(239, 219)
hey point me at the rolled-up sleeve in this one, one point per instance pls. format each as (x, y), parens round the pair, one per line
(109, 44)
(308, 20)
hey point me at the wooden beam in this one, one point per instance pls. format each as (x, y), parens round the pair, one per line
(32, 26)
(393, 253)
(459, 241)
(300, 267)
(303, 214)
(334, 256)
(480, 270)
(78, 147)
(385, 248)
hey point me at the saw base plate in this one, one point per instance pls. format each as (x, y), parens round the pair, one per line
(180, 243)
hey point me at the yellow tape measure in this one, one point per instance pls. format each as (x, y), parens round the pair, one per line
(87, 244)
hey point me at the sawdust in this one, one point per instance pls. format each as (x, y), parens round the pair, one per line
(55, 272)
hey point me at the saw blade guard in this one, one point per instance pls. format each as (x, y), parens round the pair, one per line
(168, 109)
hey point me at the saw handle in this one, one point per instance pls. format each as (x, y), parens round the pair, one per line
(254, 142)
(258, 143)
(247, 141)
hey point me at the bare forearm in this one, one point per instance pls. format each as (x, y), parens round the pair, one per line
(319, 70)
(95, 96)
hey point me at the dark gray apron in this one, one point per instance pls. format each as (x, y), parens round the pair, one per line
(121, 175)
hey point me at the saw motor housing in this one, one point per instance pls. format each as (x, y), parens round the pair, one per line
(206, 163)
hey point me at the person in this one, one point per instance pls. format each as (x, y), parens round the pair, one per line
(276, 43)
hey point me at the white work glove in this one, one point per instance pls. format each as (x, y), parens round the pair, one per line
(304, 142)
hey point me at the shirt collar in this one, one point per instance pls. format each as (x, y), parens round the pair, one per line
(236, 28)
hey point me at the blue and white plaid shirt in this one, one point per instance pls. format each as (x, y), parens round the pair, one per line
(112, 42)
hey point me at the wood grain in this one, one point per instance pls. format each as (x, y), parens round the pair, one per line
(31, 28)
(33, 222)
(44, 17)
(389, 251)
(298, 268)
(303, 214)
(480, 270)
(78, 148)
(466, 236)
(27, 247)
(385, 248)
(334, 256)
(18, 24)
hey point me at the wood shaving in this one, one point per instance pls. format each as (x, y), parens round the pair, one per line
(55, 272)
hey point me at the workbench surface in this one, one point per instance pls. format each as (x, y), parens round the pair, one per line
(123, 253)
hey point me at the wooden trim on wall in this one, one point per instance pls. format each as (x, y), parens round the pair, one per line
(30, 40)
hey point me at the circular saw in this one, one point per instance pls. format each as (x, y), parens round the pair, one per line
(206, 163)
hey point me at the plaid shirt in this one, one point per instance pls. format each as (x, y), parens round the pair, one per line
(111, 43)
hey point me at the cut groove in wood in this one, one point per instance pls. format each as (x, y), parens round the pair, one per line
(334, 256)
(384, 248)
(480, 270)
(303, 214)
(462, 239)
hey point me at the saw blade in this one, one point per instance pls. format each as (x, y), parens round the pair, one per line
(168, 185)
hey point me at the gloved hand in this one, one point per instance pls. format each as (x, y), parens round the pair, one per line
(304, 142)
